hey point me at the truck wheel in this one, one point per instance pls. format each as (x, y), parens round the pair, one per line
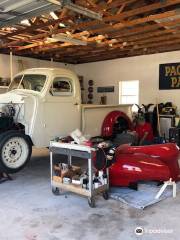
(15, 151)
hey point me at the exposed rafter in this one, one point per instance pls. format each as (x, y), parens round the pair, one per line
(128, 28)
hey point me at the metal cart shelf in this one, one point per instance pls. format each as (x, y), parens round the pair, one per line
(80, 151)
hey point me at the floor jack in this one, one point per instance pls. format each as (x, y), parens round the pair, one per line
(5, 177)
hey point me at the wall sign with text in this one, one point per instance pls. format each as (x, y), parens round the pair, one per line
(169, 76)
(106, 89)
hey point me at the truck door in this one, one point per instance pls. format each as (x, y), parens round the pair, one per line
(62, 107)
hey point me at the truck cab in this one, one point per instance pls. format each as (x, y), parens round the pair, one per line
(41, 104)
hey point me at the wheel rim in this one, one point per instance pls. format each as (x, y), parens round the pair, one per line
(15, 152)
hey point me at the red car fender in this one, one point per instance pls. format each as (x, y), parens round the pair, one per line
(131, 168)
(168, 153)
(109, 121)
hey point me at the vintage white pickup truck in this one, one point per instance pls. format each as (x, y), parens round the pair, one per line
(41, 104)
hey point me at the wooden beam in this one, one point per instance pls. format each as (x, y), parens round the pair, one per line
(124, 24)
(115, 27)
(117, 17)
(38, 26)
(153, 45)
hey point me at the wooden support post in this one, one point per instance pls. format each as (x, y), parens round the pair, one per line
(51, 62)
(11, 66)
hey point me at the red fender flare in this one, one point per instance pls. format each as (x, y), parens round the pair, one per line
(109, 121)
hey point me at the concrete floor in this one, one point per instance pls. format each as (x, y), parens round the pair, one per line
(29, 211)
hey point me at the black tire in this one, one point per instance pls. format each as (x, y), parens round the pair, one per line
(91, 202)
(22, 147)
(106, 195)
(55, 191)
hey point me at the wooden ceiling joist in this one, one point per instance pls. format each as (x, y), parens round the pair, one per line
(128, 27)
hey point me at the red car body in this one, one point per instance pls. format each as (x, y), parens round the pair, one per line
(145, 163)
(109, 121)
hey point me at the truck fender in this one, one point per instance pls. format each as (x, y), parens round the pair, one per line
(110, 120)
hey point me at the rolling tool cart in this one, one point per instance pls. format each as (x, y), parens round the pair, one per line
(65, 184)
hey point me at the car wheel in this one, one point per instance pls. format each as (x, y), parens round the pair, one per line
(15, 151)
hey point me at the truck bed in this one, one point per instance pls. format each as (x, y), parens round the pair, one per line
(93, 116)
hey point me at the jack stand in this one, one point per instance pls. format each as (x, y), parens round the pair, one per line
(167, 183)
(5, 177)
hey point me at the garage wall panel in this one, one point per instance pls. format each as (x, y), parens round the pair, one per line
(24, 62)
(142, 68)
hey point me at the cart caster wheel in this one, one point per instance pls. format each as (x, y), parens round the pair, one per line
(91, 202)
(106, 195)
(55, 191)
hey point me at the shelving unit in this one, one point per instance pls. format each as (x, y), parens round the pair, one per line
(80, 151)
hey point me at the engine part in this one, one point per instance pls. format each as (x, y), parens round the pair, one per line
(6, 122)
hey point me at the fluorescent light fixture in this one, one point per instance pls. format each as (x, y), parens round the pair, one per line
(64, 38)
(54, 16)
(83, 11)
(76, 8)
(26, 22)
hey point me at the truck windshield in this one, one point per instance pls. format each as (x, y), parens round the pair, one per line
(33, 82)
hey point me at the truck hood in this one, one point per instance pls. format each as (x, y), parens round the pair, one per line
(14, 96)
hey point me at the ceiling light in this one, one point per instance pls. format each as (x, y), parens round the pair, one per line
(64, 38)
(54, 16)
(26, 22)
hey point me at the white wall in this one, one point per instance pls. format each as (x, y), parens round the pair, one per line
(142, 68)
(27, 63)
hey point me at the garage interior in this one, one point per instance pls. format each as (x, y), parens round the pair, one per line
(126, 56)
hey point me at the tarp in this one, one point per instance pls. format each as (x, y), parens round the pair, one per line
(144, 197)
